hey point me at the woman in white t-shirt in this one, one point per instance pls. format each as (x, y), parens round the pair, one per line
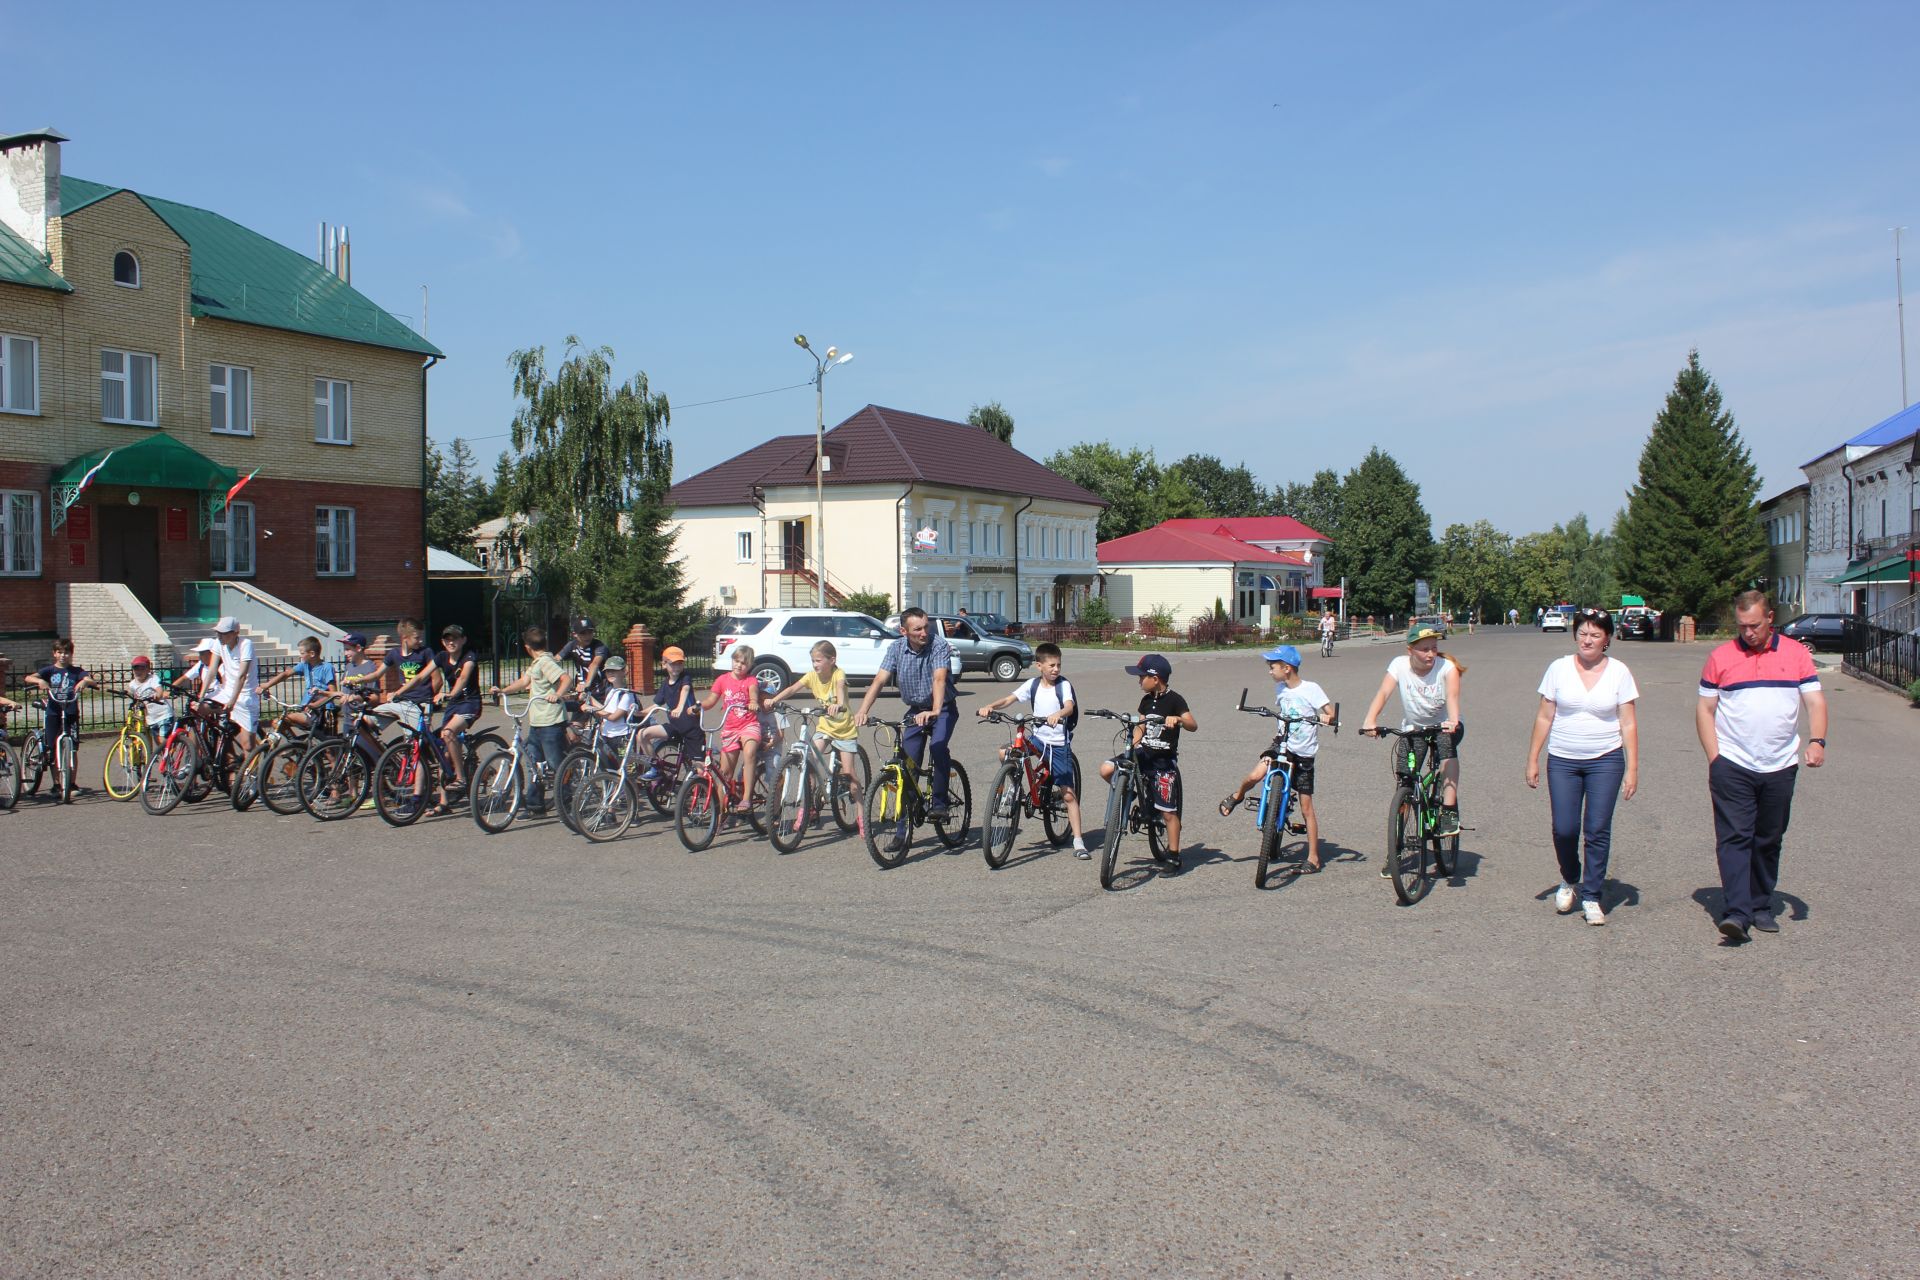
(1587, 724)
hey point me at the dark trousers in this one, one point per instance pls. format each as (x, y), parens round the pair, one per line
(544, 742)
(917, 740)
(1750, 812)
(1583, 793)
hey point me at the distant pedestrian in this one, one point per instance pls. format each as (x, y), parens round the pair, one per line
(1513, 617)
(1592, 736)
(1751, 692)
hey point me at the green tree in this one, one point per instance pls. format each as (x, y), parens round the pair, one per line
(453, 494)
(1221, 490)
(1690, 536)
(1315, 504)
(1473, 565)
(1126, 480)
(591, 452)
(491, 501)
(993, 420)
(866, 600)
(644, 581)
(1385, 537)
(1591, 579)
(1538, 571)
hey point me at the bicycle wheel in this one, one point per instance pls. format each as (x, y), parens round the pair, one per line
(64, 750)
(696, 809)
(1117, 801)
(126, 763)
(280, 778)
(494, 796)
(790, 809)
(1156, 825)
(201, 782)
(9, 776)
(1446, 854)
(660, 791)
(1406, 850)
(574, 768)
(1000, 824)
(847, 800)
(246, 780)
(956, 828)
(1054, 816)
(1272, 824)
(333, 781)
(164, 784)
(394, 775)
(34, 764)
(888, 835)
(604, 807)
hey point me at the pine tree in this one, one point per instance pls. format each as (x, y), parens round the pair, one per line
(1385, 538)
(1690, 536)
(644, 581)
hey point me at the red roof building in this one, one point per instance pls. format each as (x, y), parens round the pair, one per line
(1257, 568)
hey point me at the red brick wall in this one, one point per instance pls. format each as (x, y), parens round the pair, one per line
(389, 556)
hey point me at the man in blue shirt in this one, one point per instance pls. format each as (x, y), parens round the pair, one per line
(918, 664)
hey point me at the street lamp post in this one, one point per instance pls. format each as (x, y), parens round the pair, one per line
(834, 356)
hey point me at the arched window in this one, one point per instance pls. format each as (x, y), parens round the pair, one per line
(126, 269)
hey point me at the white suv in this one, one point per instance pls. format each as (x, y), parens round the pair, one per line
(782, 641)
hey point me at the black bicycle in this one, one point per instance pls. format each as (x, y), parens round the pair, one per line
(1130, 807)
(1414, 853)
(1277, 814)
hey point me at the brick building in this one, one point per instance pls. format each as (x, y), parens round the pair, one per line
(187, 351)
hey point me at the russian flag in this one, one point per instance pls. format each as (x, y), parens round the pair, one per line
(92, 471)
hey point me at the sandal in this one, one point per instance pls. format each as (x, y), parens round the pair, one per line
(1228, 804)
(1307, 868)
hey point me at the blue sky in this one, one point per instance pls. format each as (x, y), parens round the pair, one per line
(1481, 237)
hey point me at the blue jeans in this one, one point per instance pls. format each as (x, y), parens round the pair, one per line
(1595, 785)
(544, 742)
(916, 742)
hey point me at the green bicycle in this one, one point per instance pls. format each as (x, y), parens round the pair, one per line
(1416, 857)
(901, 796)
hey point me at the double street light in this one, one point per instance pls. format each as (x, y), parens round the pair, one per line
(833, 357)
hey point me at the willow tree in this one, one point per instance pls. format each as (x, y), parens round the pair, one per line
(590, 451)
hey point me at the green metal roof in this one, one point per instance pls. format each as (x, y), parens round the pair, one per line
(1890, 571)
(21, 263)
(242, 276)
(157, 462)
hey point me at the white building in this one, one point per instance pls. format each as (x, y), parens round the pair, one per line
(1863, 516)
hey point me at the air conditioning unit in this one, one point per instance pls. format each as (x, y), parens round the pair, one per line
(726, 595)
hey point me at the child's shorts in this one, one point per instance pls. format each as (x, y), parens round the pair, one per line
(732, 739)
(1302, 768)
(824, 742)
(1163, 784)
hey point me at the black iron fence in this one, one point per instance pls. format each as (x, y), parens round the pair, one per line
(1885, 654)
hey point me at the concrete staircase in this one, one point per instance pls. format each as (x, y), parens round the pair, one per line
(185, 633)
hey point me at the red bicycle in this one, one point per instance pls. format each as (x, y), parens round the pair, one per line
(1022, 788)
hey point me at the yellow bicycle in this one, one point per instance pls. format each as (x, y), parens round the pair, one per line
(127, 757)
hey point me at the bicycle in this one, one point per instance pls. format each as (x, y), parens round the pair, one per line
(9, 769)
(1130, 802)
(501, 781)
(1022, 787)
(1274, 818)
(417, 764)
(899, 800)
(606, 802)
(336, 773)
(806, 774)
(249, 778)
(278, 774)
(189, 763)
(1326, 644)
(576, 766)
(126, 761)
(1412, 816)
(66, 750)
(707, 796)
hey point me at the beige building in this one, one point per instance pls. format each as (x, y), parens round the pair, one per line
(1257, 568)
(934, 513)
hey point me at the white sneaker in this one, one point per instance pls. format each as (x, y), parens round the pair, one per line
(1563, 898)
(1594, 914)
(1080, 849)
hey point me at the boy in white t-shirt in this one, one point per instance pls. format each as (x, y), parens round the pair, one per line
(1051, 698)
(1306, 702)
(145, 689)
(1428, 682)
(615, 706)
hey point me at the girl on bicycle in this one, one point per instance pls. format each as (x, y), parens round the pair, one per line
(1298, 743)
(834, 732)
(740, 733)
(1429, 685)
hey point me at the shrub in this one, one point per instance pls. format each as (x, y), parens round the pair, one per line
(876, 603)
(1156, 622)
(1214, 630)
(1913, 691)
(1095, 614)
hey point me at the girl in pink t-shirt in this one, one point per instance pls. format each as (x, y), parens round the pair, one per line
(740, 733)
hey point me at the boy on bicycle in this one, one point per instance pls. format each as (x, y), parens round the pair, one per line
(62, 682)
(834, 733)
(615, 706)
(1052, 700)
(1327, 628)
(317, 678)
(546, 683)
(1156, 744)
(1298, 743)
(683, 716)
(1429, 685)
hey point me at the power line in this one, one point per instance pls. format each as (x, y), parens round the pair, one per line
(501, 435)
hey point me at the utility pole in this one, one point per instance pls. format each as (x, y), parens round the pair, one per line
(1900, 309)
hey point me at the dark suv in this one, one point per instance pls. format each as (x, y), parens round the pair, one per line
(1825, 630)
(1638, 624)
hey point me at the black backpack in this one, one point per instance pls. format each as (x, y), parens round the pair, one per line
(1072, 721)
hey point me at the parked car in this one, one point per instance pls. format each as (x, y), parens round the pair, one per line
(1002, 657)
(1826, 630)
(1430, 620)
(995, 624)
(1637, 622)
(782, 641)
(1558, 618)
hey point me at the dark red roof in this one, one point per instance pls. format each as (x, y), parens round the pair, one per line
(1168, 542)
(879, 445)
(1253, 528)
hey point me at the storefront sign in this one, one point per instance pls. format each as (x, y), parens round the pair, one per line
(927, 539)
(79, 524)
(176, 524)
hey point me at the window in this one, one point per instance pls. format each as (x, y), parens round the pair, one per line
(126, 270)
(230, 399)
(333, 542)
(230, 541)
(19, 533)
(127, 389)
(743, 546)
(811, 626)
(19, 374)
(332, 411)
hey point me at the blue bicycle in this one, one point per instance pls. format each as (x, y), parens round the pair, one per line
(1278, 815)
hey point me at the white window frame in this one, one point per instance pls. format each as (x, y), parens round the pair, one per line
(126, 380)
(324, 395)
(332, 516)
(743, 546)
(9, 567)
(222, 525)
(10, 372)
(127, 284)
(220, 383)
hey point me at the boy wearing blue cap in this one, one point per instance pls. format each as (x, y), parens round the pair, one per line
(1157, 742)
(1299, 743)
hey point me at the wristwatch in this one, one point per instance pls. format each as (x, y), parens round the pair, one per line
(1817, 742)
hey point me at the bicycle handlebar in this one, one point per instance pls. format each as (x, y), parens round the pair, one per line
(1380, 731)
(1130, 719)
(1271, 714)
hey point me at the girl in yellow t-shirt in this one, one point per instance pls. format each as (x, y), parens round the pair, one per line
(826, 684)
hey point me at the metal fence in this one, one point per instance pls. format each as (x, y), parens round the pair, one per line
(1887, 645)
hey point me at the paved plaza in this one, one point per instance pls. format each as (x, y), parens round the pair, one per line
(235, 1044)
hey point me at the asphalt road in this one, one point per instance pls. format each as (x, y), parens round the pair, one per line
(243, 1045)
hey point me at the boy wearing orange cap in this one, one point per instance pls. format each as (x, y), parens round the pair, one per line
(683, 712)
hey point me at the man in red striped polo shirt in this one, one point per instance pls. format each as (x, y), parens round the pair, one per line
(1749, 722)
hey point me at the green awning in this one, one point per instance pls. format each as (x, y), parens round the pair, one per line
(1892, 571)
(157, 462)
(1632, 602)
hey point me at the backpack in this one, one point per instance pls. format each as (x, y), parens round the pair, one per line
(1065, 687)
